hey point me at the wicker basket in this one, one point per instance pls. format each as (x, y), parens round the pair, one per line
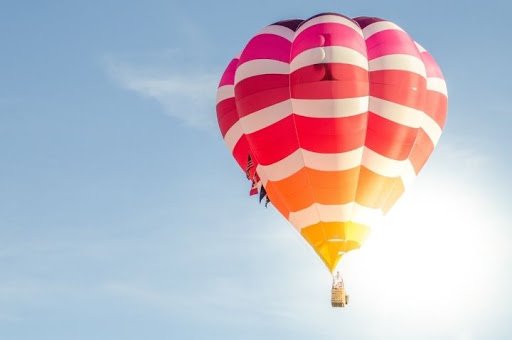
(338, 297)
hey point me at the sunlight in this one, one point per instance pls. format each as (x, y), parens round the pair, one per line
(432, 259)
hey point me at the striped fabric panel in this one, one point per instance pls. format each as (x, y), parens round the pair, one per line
(436, 105)
(329, 74)
(398, 93)
(335, 72)
(263, 95)
(227, 116)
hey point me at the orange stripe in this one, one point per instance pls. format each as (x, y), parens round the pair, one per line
(277, 200)
(395, 194)
(308, 186)
(373, 189)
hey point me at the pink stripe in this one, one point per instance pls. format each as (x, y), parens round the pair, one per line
(267, 46)
(390, 42)
(228, 78)
(328, 34)
(431, 66)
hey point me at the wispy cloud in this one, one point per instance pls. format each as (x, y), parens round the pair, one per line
(461, 153)
(186, 95)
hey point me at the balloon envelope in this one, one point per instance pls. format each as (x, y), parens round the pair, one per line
(336, 116)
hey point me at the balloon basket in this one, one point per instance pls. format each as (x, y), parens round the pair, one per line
(339, 298)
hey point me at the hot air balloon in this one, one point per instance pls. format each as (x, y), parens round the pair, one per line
(332, 118)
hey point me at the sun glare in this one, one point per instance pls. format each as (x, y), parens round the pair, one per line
(432, 258)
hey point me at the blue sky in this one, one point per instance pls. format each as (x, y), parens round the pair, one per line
(123, 216)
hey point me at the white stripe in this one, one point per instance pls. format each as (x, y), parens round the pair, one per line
(404, 62)
(380, 26)
(406, 116)
(397, 113)
(267, 116)
(329, 18)
(437, 84)
(330, 108)
(316, 213)
(333, 161)
(389, 167)
(283, 168)
(233, 135)
(278, 30)
(260, 66)
(328, 54)
(383, 165)
(408, 174)
(224, 92)
(318, 161)
(370, 159)
(431, 128)
(314, 108)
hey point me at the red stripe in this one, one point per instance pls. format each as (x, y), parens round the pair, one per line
(266, 46)
(322, 135)
(330, 71)
(436, 106)
(388, 138)
(260, 83)
(331, 135)
(227, 114)
(328, 34)
(240, 152)
(329, 89)
(401, 87)
(274, 142)
(261, 100)
(422, 149)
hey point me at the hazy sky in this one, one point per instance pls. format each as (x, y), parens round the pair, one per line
(123, 216)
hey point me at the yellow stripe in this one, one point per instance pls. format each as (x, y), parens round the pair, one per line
(331, 240)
